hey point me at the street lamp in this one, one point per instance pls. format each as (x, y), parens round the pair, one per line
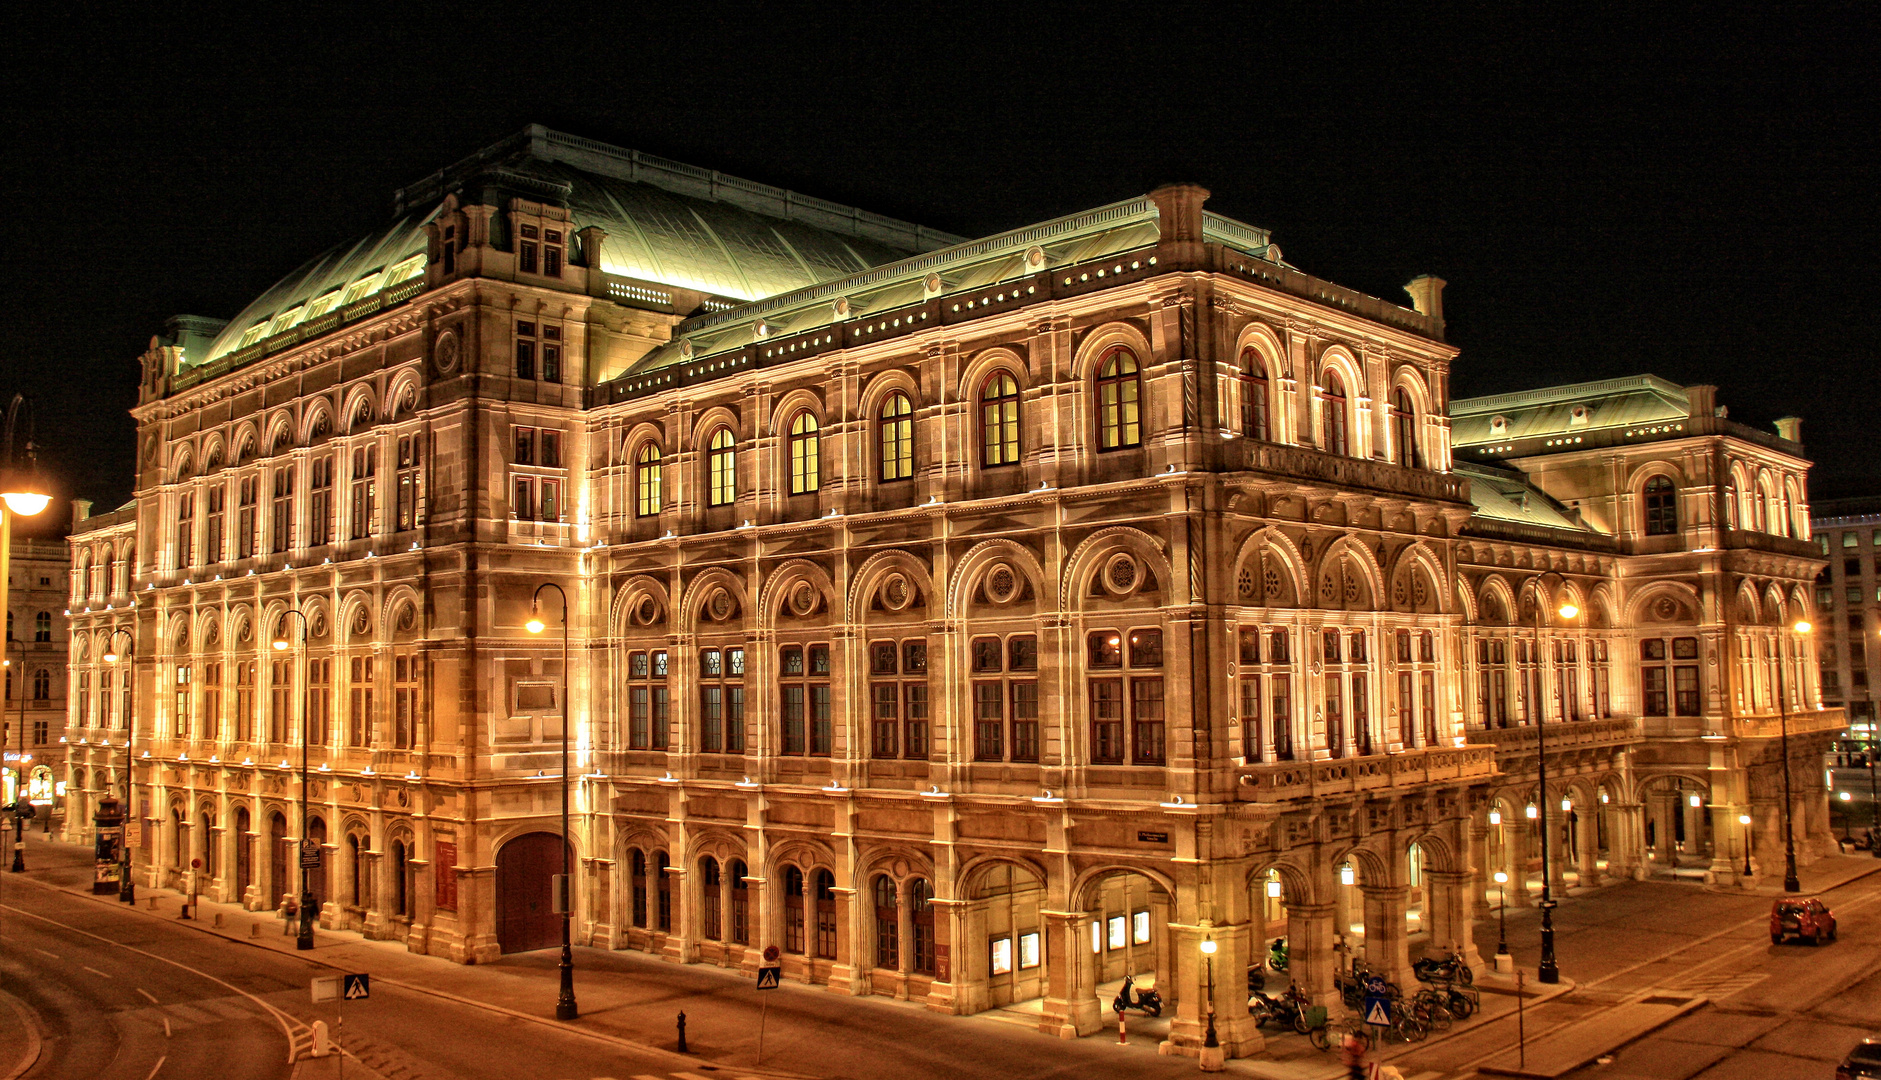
(565, 1003)
(127, 889)
(1209, 1040)
(304, 939)
(1502, 913)
(1790, 884)
(1744, 820)
(1547, 971)
(23, 493)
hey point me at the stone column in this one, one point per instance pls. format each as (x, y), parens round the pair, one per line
(1626, 840)
(1450, 899)
(1387, 947)
(1071, 1008)
(1515, 865)
(1481, 873)
(1559, 855)
(1311, 959)
(1587, 846)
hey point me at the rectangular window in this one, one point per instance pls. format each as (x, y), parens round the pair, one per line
(886, 720)
(282, 524)
(1107, 721)
(822, 732)
(404, 699)
(649, 707)
(319, 701)
(1002, 955)
(365, 502)
(320, 501)
(212, 531)
(1139, 928)
(528, 248)
(180, 714)
(407, 509)
(246, 493)
(1251, 718)
(988, 722)
(280, 698)
(360, 715)
(1024, 720)
(551, 354)
(1146, 714)
(795, 711)
(1653, 687)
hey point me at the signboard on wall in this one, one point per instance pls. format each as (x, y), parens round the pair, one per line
(446, 869)
(941, 966)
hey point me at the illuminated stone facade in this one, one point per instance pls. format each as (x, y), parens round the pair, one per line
(979, 624)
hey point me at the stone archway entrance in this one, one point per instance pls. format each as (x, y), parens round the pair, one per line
(525, 871)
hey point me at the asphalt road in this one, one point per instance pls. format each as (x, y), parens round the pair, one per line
(119, 993)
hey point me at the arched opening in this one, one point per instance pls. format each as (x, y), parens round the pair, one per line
(525, 871)
(244, 854)
(648, 474)
(740, 903)
(1333, 405)
(280, 857)
(1254, 387)
(317, 835)
(1404, 429)
(211, 866)
(895, 457)
(401, 880)
(887, 910)
(1002, 962)
(356, 872)
(806, 470)
(710, 925)
(721, 467)
(1129, 938)
(999, 421)
(1119, 419)
(1678, 836)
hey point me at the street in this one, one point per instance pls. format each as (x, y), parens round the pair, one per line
(141, 994)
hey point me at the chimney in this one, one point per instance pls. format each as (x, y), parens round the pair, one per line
(1701, 401)
(1180, 206)
(1427, 297)
(1790, 427)
(81, 509)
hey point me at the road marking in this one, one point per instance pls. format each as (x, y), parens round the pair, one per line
(154, 1069)
(95, 971)
(148, 994)
(687, 1076)
(54, 955)
(166, 1030)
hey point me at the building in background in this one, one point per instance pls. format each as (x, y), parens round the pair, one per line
(1848, 593)
(36, 670)
(975, 621)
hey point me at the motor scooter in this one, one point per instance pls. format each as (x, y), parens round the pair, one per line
(1148, 1001)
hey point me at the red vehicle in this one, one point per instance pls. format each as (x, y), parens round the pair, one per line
(1808, 918)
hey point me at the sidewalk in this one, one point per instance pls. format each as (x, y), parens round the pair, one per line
(19, 1038)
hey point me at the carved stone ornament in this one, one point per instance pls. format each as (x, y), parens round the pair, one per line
(719, 607)
(1002, 584)
(896, 592)
(446, 353)
(646, 611)
(1121, 574)
(803, 599)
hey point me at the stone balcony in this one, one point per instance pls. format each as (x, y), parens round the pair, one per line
(1335, 777)
(1302, 463)
(1561, 735)
(1801, 722)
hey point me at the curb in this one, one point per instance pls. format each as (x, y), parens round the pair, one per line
(34, 1044)
(692, 1061)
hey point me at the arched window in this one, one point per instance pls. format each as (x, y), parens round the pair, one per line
(741, 904)
(709, 893)
(825, 885)
(1404, 426)
(999, 421)
(1119, 419)
(1254, 396)
(638, 879)
(897, 438)
(722, 463)
(1662, 507)
(887, 924)
(647, 481)
(185, 523)
(806, 466)
(1333, 402)
(401, 879)
(920, 897)
(793, 910)
(42, 626)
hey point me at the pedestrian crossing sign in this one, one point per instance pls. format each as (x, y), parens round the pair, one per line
(1378, 1011)
(357, 987)
(767, 977)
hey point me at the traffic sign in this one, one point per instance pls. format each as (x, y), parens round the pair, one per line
(195, 864)
(768, 976)
(771, 954)
(325, 988)
(356, 987)
(1376, 986)
(309, 855)
(1377, 1010)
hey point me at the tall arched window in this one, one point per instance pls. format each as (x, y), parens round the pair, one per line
(647, 479)
(999, 421)
(1404, 427)
(185, 523)
(806, 449)
(887, 924)
(1334, 402)
(897, 438)
(1119, 420)
(722, 463)
(1254, 396)
(1662, 507)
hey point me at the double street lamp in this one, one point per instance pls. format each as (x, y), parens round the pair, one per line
(305, 938)
(1790, 884)
(127, 889)
(1547, 971)
(565, 1001)
(22, 493)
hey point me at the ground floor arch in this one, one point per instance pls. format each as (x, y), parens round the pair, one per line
(525, 911)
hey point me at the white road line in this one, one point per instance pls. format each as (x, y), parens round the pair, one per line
(154, 1069)
(148, 994)
(54, 955)
(166, 1027)
(95, 971)
(687, 1076)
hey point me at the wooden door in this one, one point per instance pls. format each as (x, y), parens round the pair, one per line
(525, 916)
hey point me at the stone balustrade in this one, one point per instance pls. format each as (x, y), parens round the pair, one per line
(1286, 780)
(1801, 722)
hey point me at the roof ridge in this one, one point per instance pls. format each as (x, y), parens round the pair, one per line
(1564, 392)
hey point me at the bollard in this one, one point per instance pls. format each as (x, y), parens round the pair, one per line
(1123, 1035)
(218, 923)
(682, 1033)
(254, 929)
(321, 1047)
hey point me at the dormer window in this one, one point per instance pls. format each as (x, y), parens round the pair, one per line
(284, 320)
(323, 303)
(361, 289)
(253, 334)
(406, 270)
(539, 250)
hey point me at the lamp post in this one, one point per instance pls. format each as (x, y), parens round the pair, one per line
(304, 939)
(1874, 805)
(1502, 913)
(20, 800)
(1211, 1045)
(1547, 971)
(1790, 884)
(127, 889)
(1744, 820)
(22, 493)
(565, 1002)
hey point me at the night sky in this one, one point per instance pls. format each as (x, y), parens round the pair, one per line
(1687, 192)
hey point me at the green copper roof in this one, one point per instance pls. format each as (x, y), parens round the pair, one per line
(665, 222)
(1567, 410)
(1507, 495)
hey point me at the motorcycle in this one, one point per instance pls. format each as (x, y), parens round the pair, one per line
(1443, 969)
(1256, 978)
(1149, 1001)
(1286, 1011)
(1277, 954)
